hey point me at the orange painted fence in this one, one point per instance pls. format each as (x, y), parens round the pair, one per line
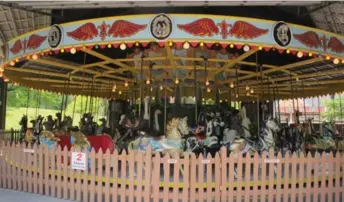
(145, 177)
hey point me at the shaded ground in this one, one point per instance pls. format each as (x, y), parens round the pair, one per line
(7, 195)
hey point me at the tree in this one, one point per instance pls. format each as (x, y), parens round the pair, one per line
(334, 108)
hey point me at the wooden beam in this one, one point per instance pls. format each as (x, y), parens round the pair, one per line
(232, 62)
(281, 68)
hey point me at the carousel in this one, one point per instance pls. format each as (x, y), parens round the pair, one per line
(181, 82)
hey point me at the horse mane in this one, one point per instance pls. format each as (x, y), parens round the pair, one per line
(172, 124)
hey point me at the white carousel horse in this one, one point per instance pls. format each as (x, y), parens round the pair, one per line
(245, 123)
(156, 119)
(146, 114)
(170, 143)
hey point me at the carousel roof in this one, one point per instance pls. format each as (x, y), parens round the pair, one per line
(233, 56)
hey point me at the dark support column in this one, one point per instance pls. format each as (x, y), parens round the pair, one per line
(3, 98)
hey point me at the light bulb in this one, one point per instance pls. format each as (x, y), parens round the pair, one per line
(220, 101)
(123, 46)
(247, 88)
(186, 45)
(207, 83)
(161, 88)
(109, 45)
(231, 46)
(208, 90)
(246, 48)
(34, 57)
(201, 44)
(267, 101)
(260, 47)
(73, 50)
(231, 85)
(148, 82)
(343, 61)
(137, 44)
(151, 89)
(62, 50)
(12, 63)
(6, 80)
(299, 54)
(176, 81)
(236, 95)
(288, 51)
(310, 54)
(251, 91)
(120, 92)
(170, 43)
(253, 102)
(247, 94)
(297, 79)
(153, 98)
(327, 57)
(126, 84)
(336, 61)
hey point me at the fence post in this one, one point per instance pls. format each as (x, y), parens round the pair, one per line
(148, 174)
(131, 164)
(186, 177)
(115, 175)
(223, 168)
(40, 169)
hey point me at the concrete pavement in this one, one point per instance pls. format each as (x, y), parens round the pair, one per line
(8, 195)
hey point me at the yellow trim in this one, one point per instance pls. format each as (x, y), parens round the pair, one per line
(180, 15)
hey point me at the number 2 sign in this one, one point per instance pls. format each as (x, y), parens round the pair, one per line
(79, 161)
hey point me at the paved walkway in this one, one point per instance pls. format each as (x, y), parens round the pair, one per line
(7, 195)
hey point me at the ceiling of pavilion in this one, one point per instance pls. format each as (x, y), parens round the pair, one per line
(327, 16)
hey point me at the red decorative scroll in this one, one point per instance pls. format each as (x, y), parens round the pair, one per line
(35, 41)
(17, 47)
(245, 30)
(123, 28)
(310, 39)
(84, 32)
(201, 27)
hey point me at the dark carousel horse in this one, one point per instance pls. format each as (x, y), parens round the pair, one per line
(49, 123)
(90, 127)
(23, 126)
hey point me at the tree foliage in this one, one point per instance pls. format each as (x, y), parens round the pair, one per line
(334, 108)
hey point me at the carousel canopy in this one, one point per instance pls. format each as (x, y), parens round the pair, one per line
(241, 58)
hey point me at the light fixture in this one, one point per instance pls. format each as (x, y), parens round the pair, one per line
(246, 48)
(231, 85)
(208, 90)
(153, 98)
(161, 88)
(151, 89)
(201, 44)
(236, 95)
(120, 92)
(12, 63)
(343, 61)
(299, 54)
(176, 81)
(288, 51)
(62, 50)
(186, 45)
(73, 50)
(34, 56)
(170, 43)
(148, 82)
(247, 88)
(310, 54)
(123, 46)
(251, 91)
(220, 101)
(327, 57)
(336, 61)
(207, 83)
(260, 47)
(267, 101)
(137, 44)
(109, 45)
(126, 84)
(253, 101)
(17, 60)
(231, 45)
(248, 94)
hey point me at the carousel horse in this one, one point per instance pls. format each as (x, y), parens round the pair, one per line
(29, 137)
(170, 143)
(269, 134)
(315, 141)
(49, 123)
(38, 125)
(58, 121)
(90, 127)
(48, 138)
(23, 126)
(103, 129)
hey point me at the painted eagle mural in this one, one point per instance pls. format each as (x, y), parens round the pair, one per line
(84, 32)
(123, 28)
